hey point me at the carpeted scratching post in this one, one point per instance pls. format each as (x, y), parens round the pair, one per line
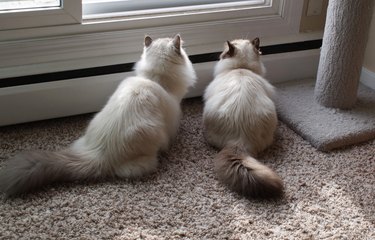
(341, 59)
(336, 110)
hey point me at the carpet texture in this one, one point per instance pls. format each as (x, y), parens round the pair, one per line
(326, 128)
(328, 195)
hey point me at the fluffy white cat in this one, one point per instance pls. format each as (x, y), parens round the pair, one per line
(124, 138)
(240, 118)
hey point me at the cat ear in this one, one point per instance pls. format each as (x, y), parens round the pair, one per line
(256, 42)
(230, 52)
(177, 43)
(148, 41)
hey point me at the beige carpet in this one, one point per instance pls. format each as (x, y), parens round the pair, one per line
(328, 195)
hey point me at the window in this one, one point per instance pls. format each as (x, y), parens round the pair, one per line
(17, 5)
(163, 12)
(113, 15)
(55, 38)
(16, 14)
(103, 8)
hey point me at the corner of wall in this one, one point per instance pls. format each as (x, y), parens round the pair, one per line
(368, 70)
(315, 22)
(368, 78)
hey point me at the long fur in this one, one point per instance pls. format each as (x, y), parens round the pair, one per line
(240, 118)
(123, 139)
(245, 175)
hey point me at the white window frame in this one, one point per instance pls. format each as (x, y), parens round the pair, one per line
(99, 42)
(69, 13)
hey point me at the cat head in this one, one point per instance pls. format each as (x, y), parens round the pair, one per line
(162, 55)
(241, 53)
(165, 50)
(164, 60)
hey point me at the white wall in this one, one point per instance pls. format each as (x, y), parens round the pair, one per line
(368, 70)
(369, 61)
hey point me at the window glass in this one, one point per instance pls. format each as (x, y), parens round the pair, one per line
(114, 6)
(14, 5)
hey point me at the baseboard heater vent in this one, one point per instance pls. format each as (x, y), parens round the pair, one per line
(127, 67)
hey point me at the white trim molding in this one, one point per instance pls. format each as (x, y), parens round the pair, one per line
(368, 78)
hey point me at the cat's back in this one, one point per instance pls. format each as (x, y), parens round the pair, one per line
(136, 98)
(137, 89)
(240, 87)
(238, 105)
(136, 112)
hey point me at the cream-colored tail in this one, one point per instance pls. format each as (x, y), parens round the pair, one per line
(30, 171)
(245, 175)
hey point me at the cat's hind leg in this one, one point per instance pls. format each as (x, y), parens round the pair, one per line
(137, 167)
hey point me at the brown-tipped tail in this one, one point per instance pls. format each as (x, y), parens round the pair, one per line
(245, 175)
(30, 171)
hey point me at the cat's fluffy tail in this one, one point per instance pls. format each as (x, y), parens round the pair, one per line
(245, 175)
(30, 171)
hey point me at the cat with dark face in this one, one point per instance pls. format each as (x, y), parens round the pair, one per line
(240, 119)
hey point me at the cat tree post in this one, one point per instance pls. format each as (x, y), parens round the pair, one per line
(342, 53)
